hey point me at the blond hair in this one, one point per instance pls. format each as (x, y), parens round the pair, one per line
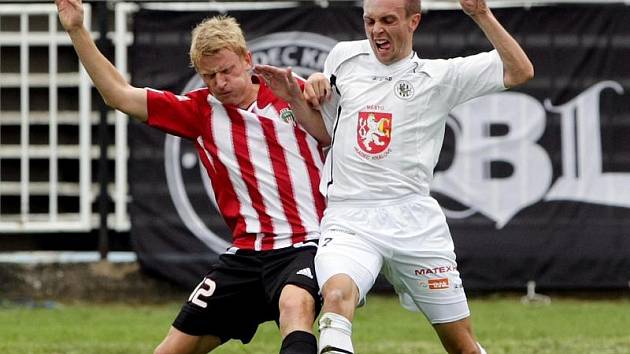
(214, 34)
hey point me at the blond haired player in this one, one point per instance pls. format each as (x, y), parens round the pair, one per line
(264, 169)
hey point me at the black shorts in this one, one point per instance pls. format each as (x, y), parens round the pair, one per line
(242, 290)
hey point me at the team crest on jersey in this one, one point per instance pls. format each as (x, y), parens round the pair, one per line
(287, 116)
(374, 132)
(404, 90)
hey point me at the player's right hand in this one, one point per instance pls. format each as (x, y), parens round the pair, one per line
(70, 13)
(474, 8)
(316, 90)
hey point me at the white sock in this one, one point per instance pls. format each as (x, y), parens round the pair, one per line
(335, 331)
(481, 350)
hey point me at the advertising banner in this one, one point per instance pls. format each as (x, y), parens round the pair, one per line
(535, 181)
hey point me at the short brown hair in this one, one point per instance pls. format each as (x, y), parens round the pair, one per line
(412, 7)
(216, 33)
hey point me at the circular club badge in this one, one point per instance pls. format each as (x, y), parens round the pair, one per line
(305, 53)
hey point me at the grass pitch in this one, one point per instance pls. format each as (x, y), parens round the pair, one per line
(502, 324)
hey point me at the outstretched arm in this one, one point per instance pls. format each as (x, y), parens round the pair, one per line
(114, 88)
(283, 84)
(517, 67)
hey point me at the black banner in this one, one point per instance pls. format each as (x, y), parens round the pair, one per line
(535, 181)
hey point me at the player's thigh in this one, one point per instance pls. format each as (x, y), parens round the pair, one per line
(431, 285)
(178, 342)
(423, 269)
(290, 280)
(343, 252)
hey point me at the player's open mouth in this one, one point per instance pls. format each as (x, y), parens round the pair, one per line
(382, 44)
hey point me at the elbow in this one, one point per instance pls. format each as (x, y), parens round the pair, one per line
(120, 99)
(109, 102)
(520, 77)
(528, 73)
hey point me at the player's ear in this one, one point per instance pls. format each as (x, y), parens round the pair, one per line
(249, 60)
(415, 20)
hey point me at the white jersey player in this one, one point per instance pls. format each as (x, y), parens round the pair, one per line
(386, 119)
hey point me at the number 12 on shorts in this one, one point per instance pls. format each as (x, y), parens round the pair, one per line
(200, 291)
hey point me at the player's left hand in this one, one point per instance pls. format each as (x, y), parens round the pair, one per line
(474, 7)
(281, 82)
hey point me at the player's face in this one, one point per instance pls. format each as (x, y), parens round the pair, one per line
(227, 75)
(389, 29)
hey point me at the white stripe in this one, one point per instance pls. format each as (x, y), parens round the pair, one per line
(259, 152)
(283, 240)
(258, 242)
(317, 160)
(200, 141)
(222, 128)
(299, 175)
(207, 183)
(300, 179)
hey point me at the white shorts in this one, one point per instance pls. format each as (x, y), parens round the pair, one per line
(408, 240)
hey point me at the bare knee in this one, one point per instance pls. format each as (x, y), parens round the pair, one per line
(297, 310)
(340, 295)
(297, 303)
(336, 296)
(340, 288)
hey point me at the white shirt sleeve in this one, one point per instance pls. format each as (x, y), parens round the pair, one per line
(474, 76)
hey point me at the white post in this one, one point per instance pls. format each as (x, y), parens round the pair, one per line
(53, 110)
(120, 42)
(24, 123)
(0, 122)
(85, 138)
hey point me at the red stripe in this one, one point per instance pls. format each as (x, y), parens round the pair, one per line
(224, 191)
(241, 150)
(313, 170)
(282, 176)
(268, 241)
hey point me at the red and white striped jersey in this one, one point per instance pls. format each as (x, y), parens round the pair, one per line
(264, 168)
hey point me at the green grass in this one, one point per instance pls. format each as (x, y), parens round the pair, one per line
(502, 324)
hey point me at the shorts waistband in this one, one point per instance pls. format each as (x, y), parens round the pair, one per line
(373, 203)
(307, 243)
